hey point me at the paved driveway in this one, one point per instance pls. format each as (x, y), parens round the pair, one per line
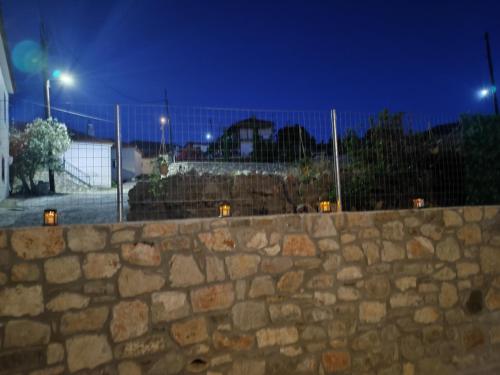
(98, 206)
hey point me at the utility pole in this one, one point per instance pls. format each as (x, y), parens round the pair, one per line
(46, 89)
(492, 76)
(169, 122)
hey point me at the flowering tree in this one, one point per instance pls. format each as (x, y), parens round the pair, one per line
(39, 146)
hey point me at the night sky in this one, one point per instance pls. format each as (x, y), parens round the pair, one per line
(417, 56)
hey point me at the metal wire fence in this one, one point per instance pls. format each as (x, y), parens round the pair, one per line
(179, 162)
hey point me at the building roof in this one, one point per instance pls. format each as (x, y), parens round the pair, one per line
(251, 123)
(77, 136)
(5, 59)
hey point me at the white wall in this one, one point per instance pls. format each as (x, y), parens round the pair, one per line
(131, 163)
(4, 140)
(93, 159)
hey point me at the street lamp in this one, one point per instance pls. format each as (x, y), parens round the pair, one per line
(65, 79)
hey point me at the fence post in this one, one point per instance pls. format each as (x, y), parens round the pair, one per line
(119, 182)
(335, 145)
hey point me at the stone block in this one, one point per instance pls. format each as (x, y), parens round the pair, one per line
(84, 238)
(154, 230)
(141, 347)
(448, 297)
(213, 297)
(336, 361)
(55, 353)
(62, 270)
(231, 342)
(23, 333)
(392, 252)
(184, 271)
(448, 250)
(426, 315)
(298, 245)
(290, 282)
(242, 265)
(21, 301)
(349, 273)
(276, 265)
(37, 243)
(285, 313)
(261, 286)
(248, 367)
(90, 319)
(167, 306)
(490, 259)
(215, 269)
(25, 272)
(133, 282)
(277, 336)
(101, 265)
(67, 301)
(470, 234)
(190, 332)
(130, 319)
(323, 227)
(452, 219)
(141, 254)
(419, 248)
(393, 230)
(249, 315)
(372, 312)
(87, 352)
(220, 239)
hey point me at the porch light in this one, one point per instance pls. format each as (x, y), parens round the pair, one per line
(224, 209)
(418, 203)
(50, 217)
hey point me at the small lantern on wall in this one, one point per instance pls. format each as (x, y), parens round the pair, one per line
(418, 203)
(325, 206)
(224, 209)
(50, 217)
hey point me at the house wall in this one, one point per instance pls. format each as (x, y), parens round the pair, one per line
(394, 292)
(4, 140)
(93, 159)
(131, 163)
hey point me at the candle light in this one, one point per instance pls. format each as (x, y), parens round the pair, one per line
(224, 209)
(50, 217)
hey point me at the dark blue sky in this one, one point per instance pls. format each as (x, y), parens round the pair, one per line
(418, 56)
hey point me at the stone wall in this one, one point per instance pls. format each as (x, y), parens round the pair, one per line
(398, 292)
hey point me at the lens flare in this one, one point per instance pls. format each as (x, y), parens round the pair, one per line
(27, 56)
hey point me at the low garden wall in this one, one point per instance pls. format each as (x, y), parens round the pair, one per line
(396, 292)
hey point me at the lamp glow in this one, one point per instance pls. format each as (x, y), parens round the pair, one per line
(50, 217)
(325, 206)
(208, 136)
(163, 120)
(224, 209)
(66, 79)
(418, 203)
(483, 93)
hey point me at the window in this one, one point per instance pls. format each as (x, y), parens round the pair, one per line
(3, 169)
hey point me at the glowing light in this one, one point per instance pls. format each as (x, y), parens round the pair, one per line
(483, 93)
(208, 136)
(56, 74)
(27, 56)
(66, 79)
(163, 120)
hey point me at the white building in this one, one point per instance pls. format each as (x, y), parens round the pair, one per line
(243, 133)
(6, 89)
(132, 163)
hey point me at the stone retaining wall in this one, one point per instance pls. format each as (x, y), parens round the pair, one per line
(398, 292)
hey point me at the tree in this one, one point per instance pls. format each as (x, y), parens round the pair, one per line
(295, 143)
(38, 147)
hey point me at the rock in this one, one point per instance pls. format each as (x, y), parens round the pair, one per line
(24, 272)
(219, 239)
(307, 263)
(495, 334)
(408, 299)
(467, 269)
(472, 337)
(170, 363)
(154, 230)
(257, 241)
(290, 282)
(135, 282)
(277, 336)
(87, 352)
(367, 341)
(470, 234)
(167, 306)
(37, 243)
(321, 281)
(346, 238)
(242, 265)
(91, 319)
(285, 313)
(419, 248)
(313, 333)
(141, 347)
(122, 236)
(21, 301)
(211, 298)
(452, 219)
(349, 273)
(325, 298)
(393, 230)
(434, 366)
(332, 262)
(372, 312)
(490, 259)
(190, 332)
(448, 250)
(272, 250)
(472, 214)
(372, 252)
(448, 296)
(348, 294)
(67, 301)
(84, 238)
(129, 368)
(445, 273)
(184, 271)
(377, 287)
(22, 333)
(130, 319)
(215, 269)
(328, 244)
(412, 348)
(261, 286)
(241, 289)
(62, 270)
(55, 353)
(392, 252)
(101, 266)
(406, 282)
(323, 227)
(432, 231)
(298, 245)
(276, 265)
(370, 233)
(352, 253)
(249, 315)
(426, 315)
(493, 300)
(336, 361)
(248, 367)
(236, 342)
(176, 243)
(141, 254)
